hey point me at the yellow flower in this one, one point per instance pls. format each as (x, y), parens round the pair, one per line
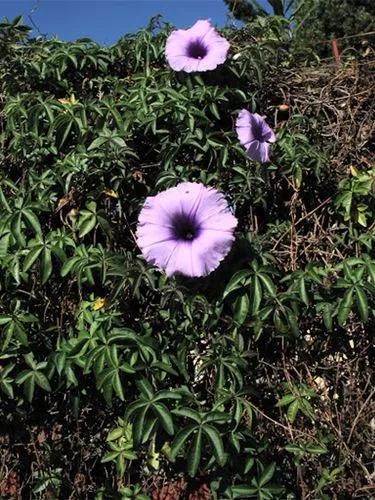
(99, 303)
(110, 192)
(71, 100)
(354, 171)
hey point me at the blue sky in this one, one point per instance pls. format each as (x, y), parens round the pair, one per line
(106, 20)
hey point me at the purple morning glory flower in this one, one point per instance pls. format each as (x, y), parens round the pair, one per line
(254, 133)
(199, 48)
(187, 229)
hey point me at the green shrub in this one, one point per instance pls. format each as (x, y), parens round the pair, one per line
(213, 378)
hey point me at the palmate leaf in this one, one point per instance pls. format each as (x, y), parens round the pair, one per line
(293, 410)
(345, 306)
(362, 303)
(146, 388)
(242, 309)
(42, 381)
(32, 256)
(87, 224)
(244, 491)
(236, 282)
(257, 294)
(267, 474)
(188, 413)
(46, 265)
(194, 454)
(138, 424)
(286, 400)
(180, 440)
(217, 443)
(268, 284)
(164, 417)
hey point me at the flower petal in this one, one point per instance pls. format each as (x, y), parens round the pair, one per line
(200, 29)
(243, 127)
(259, 151)
(255, 134)
(202, 32)
(161, 229)
(209, 249)
(181, 261)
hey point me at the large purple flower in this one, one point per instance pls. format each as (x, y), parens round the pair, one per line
(199, 48)
(254, 133)
(186, 230)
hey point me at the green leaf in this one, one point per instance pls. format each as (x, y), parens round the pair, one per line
(110, 456)
(33, 220)
(87, 225)
(29, 387)
(217, 443)
(302, 290)
(46, 265)
(195, 452)
(42, 381)
(21, 377)
(345, 306)
(68, 266)
(32, 257)
(292, 410)
(249, 465)
(117, 385)
(236, 282)
(188, 413)
(362, 303)
(267, 474)
(269, 286)
(164, 416)
(99, 141)
(138, 424)
(256, 295)
(316, 449)
(327, 316)
(286, 400)
(146, 388)
(243, 491)
(180, 440)
(241, 309)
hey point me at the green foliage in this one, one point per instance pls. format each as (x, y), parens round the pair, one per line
(352, 191)
(120, 441)
(318, 21)
(296, 399)
(246, 10)
(173, 369)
